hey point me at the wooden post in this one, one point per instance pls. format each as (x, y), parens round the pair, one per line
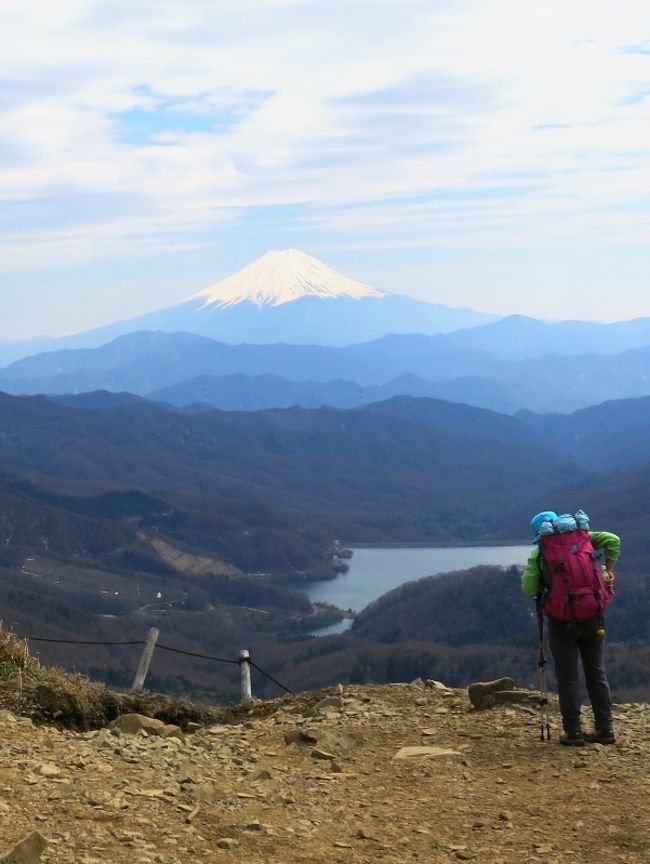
(245, 669)
(145, 660)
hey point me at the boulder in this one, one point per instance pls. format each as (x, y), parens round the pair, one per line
(133, 724)
(481, 694)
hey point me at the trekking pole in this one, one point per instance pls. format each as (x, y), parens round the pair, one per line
(542, 703)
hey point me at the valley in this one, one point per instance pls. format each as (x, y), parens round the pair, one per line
(127, 500)
(217, 572)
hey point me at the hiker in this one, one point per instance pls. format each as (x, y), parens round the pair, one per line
(565, 574)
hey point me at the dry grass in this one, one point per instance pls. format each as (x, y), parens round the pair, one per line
(50, 695)
(15, 660)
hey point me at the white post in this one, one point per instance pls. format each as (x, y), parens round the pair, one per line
(145, 660)
(245, 669)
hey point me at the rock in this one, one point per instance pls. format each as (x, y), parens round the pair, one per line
(260, 774)
(26, 851)
(133, 724)
(226, 843)
(330, 703)
(430, 752)
(316, 753)
(188, 772)
(341, 741)
(49, 769)
(300, 736)
(140, 724)
(203, 793)
(191, 815)
(481, 694)
(170, 730)
(435, 685)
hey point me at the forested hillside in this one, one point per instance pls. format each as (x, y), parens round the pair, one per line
(405, 469)
(603, 437)
(116, 514)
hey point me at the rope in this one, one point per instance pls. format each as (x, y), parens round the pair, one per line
(164, 648)
(193, 654)
(271, 678)
(81, 642)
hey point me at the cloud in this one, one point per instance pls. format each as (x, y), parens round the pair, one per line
(131, 127)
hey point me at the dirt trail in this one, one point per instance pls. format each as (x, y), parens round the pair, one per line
(314, 778)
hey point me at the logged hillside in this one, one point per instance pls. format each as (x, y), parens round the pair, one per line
(119, 529)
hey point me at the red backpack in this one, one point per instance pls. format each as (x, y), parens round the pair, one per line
(574, 585)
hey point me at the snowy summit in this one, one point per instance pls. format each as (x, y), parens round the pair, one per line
(281, 276)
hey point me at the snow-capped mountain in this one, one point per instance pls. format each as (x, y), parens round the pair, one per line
(282, 276)
(284, 296)
(288, 296)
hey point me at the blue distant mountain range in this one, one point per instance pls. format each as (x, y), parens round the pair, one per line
(288, 330)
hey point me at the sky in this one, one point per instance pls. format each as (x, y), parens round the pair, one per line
(493, 154)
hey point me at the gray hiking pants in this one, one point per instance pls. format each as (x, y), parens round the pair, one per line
(570, 640)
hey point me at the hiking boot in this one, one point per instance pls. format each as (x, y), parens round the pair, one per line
(572, 739)
(601, 736)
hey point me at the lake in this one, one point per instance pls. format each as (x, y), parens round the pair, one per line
(375, 571)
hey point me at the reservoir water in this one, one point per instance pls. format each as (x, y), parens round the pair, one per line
(375, 571)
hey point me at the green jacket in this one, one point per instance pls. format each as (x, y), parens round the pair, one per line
(531, 578)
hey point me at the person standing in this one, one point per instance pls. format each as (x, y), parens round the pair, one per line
(565, 574)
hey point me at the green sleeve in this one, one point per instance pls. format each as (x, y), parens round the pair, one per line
(530, 578)
(610, 543)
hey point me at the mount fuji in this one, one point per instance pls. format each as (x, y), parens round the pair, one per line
(281, 277)
(284, 296)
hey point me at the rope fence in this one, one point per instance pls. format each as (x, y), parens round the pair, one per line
(151, 643)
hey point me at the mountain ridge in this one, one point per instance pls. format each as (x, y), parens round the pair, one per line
(283, 296)
(146, 362)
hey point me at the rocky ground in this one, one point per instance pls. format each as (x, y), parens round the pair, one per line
(324, 778)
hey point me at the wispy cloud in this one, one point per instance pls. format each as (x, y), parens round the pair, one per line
(139, 126)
